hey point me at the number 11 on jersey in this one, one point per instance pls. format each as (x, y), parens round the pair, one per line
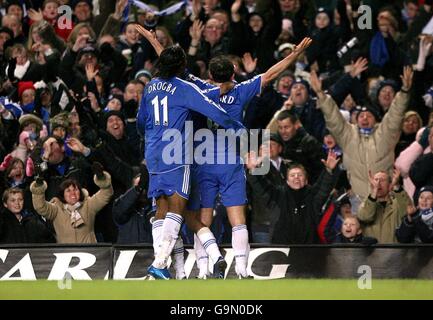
(164, 102)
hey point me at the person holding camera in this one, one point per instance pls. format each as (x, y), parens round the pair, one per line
(73, 212)
(50, 161)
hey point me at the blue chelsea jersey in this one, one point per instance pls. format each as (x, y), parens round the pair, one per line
(165, 107)
(234, 103)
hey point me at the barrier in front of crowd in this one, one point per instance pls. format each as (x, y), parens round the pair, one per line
(129, 262)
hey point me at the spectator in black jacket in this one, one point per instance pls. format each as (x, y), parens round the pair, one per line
(298, 145)
(133, 215)
(263, 216)
(257, 36)
(18, 225)
(262, 108)
(21, 68)
(300, 204)
(417, 226)
(110, 63)
(304, 106)
(322, 54)
(116, 152)
(132, 212)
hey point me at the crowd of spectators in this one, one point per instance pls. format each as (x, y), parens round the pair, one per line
(72, 162)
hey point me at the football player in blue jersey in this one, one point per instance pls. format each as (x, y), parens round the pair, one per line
(163, 115)
(224, 177)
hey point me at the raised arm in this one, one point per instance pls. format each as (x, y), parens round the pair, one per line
(335, 121)
(42, 207)
(391, 123)
(282, 65)
(151, 37)
(327, 181)
(101, 198)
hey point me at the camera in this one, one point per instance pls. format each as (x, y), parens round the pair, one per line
(349, 45)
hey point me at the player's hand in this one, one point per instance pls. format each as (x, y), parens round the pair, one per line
(144, 32)
(301, 47)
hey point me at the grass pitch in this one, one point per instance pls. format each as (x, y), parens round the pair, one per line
(286, 289)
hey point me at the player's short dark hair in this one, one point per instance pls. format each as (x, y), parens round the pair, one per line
(221, 69)
(171, 62)
(287, 114)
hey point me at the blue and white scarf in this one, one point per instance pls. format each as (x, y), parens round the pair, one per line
(167, 11)
(427, 217)
(365, 131)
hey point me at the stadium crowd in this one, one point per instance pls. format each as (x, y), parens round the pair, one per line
(350, 118)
